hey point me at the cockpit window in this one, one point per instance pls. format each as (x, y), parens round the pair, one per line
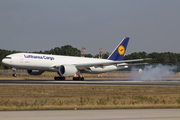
(8, 58)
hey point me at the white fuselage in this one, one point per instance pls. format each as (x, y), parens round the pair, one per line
(44, 62)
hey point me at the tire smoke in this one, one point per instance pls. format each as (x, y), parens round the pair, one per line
(150, 73)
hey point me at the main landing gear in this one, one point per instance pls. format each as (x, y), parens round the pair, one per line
(78, 78)
(59, 78)
(64, 78)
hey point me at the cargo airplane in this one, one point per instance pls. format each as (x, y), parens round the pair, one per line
(36, 64)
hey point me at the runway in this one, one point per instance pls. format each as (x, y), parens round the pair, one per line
(111, 114)
(92, 82)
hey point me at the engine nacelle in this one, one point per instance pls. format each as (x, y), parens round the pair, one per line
(34, 72)
(68, 70)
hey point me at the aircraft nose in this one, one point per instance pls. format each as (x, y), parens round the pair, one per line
(4, 61)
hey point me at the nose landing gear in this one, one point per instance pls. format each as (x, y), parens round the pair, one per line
(14, 74)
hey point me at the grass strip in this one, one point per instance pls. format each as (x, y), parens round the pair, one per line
(38, 97)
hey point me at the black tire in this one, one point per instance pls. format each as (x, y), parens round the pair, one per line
(14, 75)
(59, 78)
(82, 79)
(78, 78)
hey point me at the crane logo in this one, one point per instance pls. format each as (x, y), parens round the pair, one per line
(121, 50)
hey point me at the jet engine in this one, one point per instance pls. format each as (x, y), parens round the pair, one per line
(68, 70)
(34, 72)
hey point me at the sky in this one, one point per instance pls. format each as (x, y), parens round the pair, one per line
(34, 25)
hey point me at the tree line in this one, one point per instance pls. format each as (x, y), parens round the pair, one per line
(165, 58)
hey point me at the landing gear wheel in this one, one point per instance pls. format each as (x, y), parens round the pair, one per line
(82, 78)
(59, 78)
(14, 75)
(78, 78)
(55, 78)
(63, 78)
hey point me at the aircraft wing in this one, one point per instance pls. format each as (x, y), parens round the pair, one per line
(102, 64)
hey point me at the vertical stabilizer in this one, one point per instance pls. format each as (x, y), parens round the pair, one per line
(119, 51)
